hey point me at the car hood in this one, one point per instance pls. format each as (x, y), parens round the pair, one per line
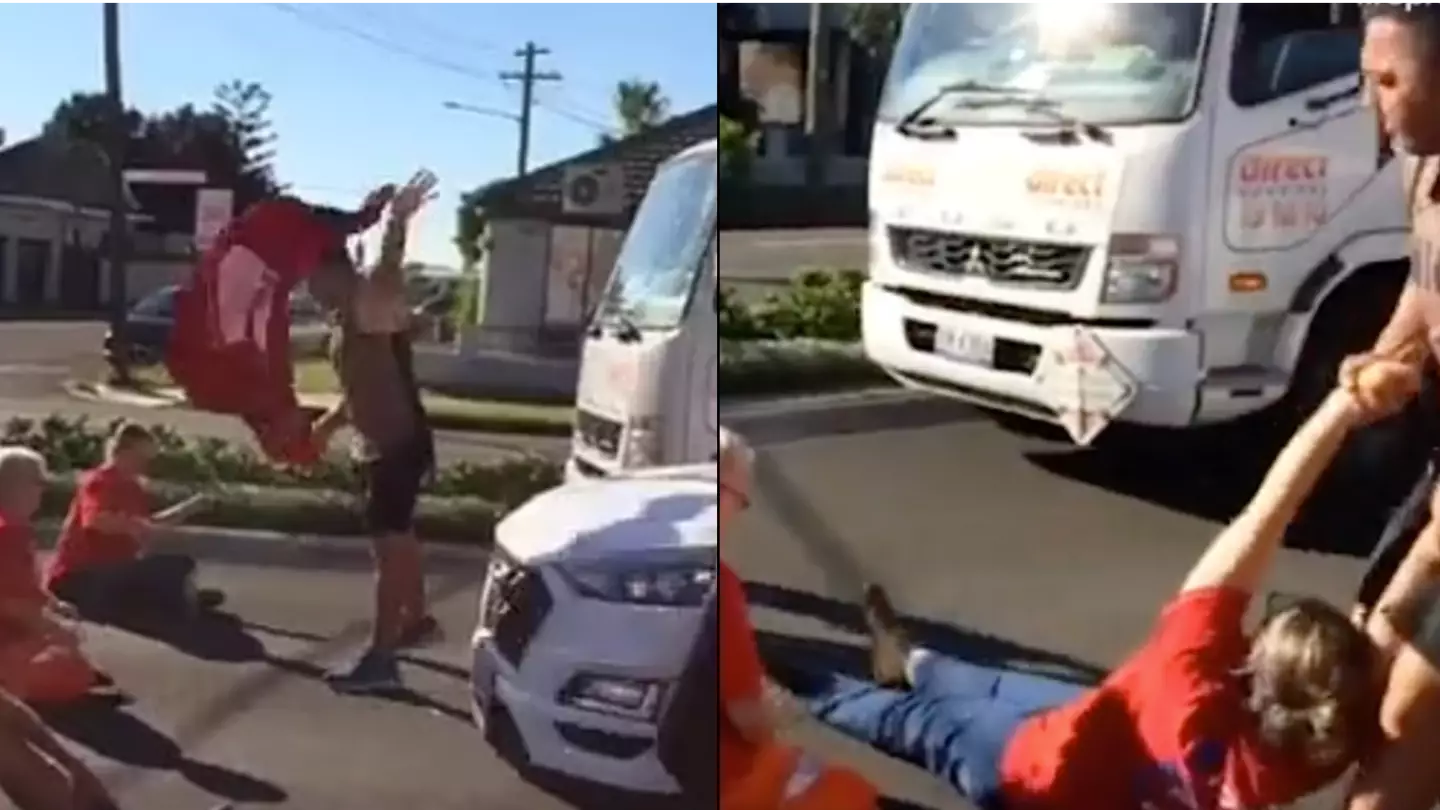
(662, 510)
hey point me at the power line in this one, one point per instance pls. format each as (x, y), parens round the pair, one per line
(308, 16)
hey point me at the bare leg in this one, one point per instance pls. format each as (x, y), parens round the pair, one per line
(390, 592)
(31, 780)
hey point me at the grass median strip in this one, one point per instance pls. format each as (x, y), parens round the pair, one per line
(317, 387)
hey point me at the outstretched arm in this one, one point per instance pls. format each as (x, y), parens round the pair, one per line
(389, 271)
(1240, 556)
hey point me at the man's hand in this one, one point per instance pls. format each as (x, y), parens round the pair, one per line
(1380, 387)
(414, 194)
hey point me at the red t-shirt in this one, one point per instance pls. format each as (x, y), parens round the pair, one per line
(1167, 730)
(104, 489)
(19, 569)
(742, 675)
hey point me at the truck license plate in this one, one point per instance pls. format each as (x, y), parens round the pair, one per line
(965, 345)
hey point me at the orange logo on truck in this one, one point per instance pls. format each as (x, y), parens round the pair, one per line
(922, 176)
(1081, 187)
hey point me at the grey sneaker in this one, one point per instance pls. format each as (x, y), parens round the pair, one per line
(376, 671)
(889, 648)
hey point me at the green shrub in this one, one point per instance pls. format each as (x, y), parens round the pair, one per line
(819, 305)
(73, 444)
(737, 151)
(303, 511)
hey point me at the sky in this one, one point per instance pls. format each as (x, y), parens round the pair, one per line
(359, 89)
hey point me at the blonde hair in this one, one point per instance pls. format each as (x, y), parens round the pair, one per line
(126, 436)
(1311, 681)
(17, 460)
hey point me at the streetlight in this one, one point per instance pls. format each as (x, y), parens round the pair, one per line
(522, 158)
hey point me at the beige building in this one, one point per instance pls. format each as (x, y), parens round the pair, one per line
(54, 216)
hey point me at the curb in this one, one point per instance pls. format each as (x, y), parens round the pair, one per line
(268, 549)
(781, 421)
(110, 395)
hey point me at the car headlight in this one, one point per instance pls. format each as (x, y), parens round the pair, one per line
(672, 584)
(632, 698)
(1143, 269)
(642, 443)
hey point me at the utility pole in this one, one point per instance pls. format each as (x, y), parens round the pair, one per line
(818, 92)
(118, 237)
(527, 78)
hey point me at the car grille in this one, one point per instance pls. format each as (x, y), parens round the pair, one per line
(598, 433)
(1039, 264)
(516, 603)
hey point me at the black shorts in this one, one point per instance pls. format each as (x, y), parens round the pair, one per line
(392, 485)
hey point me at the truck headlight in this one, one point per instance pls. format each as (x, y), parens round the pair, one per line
(1143, 269)
(642, 443)
(671, 585)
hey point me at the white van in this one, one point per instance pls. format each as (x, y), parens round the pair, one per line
(649, 367)
(1163, 214)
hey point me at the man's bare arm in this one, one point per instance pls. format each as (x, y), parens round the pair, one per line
(1406, 327)
(1394, 616)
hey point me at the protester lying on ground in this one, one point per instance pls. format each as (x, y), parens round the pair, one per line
(40, 658)
(1201, 716)
(393, 443)
(101, 565)
(756, 770)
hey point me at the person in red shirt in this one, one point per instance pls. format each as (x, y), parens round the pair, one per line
(40, 658)
(1202, 715)
(100, 564)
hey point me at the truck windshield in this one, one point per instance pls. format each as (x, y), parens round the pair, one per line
(655, 273)
(1102, 63)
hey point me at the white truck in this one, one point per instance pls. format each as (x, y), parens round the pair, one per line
(1161, 214)
(649, 367)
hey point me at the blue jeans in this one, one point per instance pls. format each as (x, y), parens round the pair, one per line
(955, 721)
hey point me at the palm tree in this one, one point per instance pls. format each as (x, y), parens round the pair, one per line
(639, 105)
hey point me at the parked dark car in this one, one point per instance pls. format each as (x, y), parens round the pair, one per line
(150, 320)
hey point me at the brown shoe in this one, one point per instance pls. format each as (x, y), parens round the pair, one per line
(889, 648)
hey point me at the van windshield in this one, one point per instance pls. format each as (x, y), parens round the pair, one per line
(655, 274)
(1102, 63)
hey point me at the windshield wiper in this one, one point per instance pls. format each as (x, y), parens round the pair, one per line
(1047, 107)
(916, 125)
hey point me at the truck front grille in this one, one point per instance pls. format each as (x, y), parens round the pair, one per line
(1009, 261)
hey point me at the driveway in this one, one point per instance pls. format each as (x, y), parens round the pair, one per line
(1014, 550)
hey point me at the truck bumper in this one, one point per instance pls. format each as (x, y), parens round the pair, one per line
(899, 335)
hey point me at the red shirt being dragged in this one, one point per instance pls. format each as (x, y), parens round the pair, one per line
(742, 675)
(104, 490)
(1168, 730)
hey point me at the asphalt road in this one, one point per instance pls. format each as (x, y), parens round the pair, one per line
(236, 711)
(769, 257)
(1014, 550)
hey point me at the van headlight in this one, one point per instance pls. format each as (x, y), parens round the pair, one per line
(671, 584)
(1143, 269)
(642, 443)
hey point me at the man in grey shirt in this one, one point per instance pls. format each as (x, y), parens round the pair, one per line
(392, 442)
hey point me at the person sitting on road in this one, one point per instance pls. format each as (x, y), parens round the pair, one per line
(100, 564)
(40, 657)
(756, 770)
(1201, 716)
(393, 443)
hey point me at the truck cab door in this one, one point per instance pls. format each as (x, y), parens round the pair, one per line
(1293, 162)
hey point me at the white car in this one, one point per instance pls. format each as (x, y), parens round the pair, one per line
(587, 615)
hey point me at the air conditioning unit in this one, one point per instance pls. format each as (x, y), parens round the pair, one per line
(598, 189)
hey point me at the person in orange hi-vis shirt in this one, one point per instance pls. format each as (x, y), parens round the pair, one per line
(757, 770)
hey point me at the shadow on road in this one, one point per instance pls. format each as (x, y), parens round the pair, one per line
(128, 740)
(1212, 473)
(968, 645)
(895, 409)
